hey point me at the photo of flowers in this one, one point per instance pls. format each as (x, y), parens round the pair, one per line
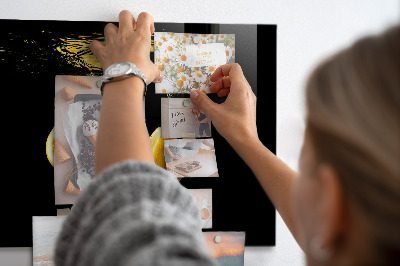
(204, 199)
(226, 247)
(188, 60)
(191, 157)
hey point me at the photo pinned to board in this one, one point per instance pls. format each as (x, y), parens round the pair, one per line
(77, 104)
(204, 199)
(191, 157)
(188, 60)
(226, 247)
(180, 118)
(45, 231)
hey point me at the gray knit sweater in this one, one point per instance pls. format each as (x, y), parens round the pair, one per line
(134, 213)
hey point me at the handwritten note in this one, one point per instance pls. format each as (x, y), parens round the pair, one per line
(205, 55)
(177, 118)
(179, 121)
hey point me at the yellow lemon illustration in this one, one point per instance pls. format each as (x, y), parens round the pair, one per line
(50, 147)
(157, 143)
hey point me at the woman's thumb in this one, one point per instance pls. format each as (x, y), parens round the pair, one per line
(202, 101)
(158, 75)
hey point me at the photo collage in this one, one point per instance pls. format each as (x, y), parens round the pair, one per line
(187, 61)
(184, 59)
(56, 75)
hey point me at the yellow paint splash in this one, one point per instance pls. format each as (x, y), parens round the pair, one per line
(76, 51)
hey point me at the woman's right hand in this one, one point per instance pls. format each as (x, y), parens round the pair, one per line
(235, 119)
(129, 43)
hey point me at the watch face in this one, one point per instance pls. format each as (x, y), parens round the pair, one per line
(118, 69)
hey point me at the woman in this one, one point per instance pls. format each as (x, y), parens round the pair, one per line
(201, 117)
(343, 208)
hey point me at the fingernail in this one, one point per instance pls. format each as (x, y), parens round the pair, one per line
(194, 94)
(160, 78)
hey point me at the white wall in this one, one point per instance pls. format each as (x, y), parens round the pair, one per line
(307, 32)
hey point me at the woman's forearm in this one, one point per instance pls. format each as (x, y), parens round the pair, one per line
(122, 131)
(235, 120)
(205, 142)
(169, 151)
(275, 177)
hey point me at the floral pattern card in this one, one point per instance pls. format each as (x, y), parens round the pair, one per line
(188, 60)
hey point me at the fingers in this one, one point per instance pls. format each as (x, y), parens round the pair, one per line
(158, 76)
(223, 78)
(126, 22)
(234, 71)
(223, 92)
(227, 79)
(223, 83)
(145, 24)
(97, 49)
(202, 101)
(110, 31)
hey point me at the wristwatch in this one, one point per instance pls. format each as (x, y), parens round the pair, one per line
(120, 71)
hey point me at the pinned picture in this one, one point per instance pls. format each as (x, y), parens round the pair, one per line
(77, 104)
(188, 60)
(191, 157)
(226, 247)
(204, 199)
(45, 230)
(180, 118)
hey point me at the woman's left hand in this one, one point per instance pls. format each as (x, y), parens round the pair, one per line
(130, 42)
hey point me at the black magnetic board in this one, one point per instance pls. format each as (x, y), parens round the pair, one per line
(29, 62)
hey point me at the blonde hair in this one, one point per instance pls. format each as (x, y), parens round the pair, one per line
(353, 120)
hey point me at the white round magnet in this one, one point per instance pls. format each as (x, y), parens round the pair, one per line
(186, 102)
(217, 239)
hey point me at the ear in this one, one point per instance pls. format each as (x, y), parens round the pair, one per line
(332, 207)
